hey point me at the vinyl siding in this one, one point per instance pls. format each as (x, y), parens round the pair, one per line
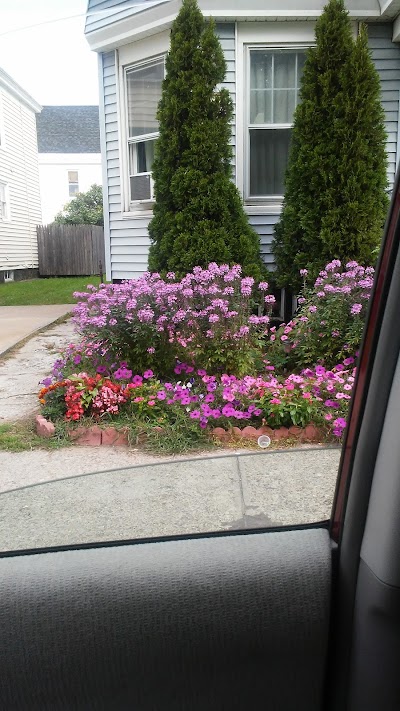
(129, 240)
(226, 34)
(19, 170)
(264, 226)
(386, 57)
(102, 13)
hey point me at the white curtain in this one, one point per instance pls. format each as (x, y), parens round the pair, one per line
(274, 83)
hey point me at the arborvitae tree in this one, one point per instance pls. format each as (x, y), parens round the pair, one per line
(198, 214)
(335, 200)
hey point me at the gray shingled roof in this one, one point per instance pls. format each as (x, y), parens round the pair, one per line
(68, 129)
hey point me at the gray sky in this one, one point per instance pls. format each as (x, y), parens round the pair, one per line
(50, 58)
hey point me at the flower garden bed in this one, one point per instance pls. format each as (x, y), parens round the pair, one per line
(195, 360)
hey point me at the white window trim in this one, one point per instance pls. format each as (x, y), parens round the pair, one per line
(142, 138)
(141, 53)
(263, 199)
(266, 35)
(7, 218)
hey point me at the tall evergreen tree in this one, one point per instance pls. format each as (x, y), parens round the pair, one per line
(335, 200)
(198, 214)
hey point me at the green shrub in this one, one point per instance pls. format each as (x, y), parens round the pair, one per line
(335, 201)
(329, 324)
(83, 209)
(198, 215)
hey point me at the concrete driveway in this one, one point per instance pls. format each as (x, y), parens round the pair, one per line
(225, 492)
(19, 322)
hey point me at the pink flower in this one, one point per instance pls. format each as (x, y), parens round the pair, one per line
(161, 395)
(328, 416)
(151, 403)
(148, 374)
(275, 401)
(284, 338)
(348, 361)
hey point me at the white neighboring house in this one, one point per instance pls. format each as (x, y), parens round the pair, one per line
(69, 155)
(19, 182)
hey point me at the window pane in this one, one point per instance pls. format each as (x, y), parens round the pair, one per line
(143, 96)
(141, 157)
(260, 87)
(260, 70)
(269, 151)
(301, 58)
(284, 105)
(73, 182)
(145, 156)
(284, 70)
(261, 106)
(274, 82)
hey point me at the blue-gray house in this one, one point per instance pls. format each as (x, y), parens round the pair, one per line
(264, 43)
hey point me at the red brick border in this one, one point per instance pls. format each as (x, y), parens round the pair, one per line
(96, 436)
(306, 434)
(87, 436)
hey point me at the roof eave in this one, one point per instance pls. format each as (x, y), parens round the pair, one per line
(8, 83)
(160, 17)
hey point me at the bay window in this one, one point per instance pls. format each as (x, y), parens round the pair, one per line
(273, 94)
(143, 84)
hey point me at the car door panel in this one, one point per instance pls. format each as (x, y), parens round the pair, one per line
(203, 623)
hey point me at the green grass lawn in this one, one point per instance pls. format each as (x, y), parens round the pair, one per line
(57, 290)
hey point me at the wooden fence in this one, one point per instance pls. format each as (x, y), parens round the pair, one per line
(70, 250)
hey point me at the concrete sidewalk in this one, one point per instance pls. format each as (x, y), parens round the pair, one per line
(225, 492)
(21, 374)
(19, 322)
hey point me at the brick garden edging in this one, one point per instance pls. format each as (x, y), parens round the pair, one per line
(87, 436)
(306, 434)
(44, 428)
(96, 436)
